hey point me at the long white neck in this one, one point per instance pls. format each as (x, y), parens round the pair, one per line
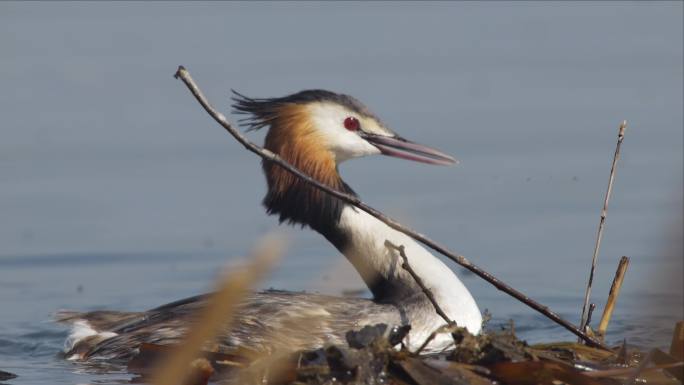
(381, 268)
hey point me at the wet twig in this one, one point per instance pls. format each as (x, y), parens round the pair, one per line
(612, 296)
(267, 155)
(405, 264)
(602, 221)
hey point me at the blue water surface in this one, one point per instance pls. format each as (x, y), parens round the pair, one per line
(117, 191)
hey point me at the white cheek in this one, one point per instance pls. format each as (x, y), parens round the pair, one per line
(328, 120)
(351, 146)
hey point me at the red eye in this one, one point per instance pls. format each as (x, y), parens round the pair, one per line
(351, 123)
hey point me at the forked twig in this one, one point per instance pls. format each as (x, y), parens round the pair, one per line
(405, 264)
(602, 221)
(450, 325)
(267, 155)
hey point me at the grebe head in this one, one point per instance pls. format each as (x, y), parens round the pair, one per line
(315, 130)
(319, 121)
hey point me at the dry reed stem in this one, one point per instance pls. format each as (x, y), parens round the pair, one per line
(613, 296)
(268, 155)
(174, 368)
(602, 221)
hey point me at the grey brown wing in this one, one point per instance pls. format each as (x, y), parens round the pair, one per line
(295, 321)
(112, 335)
(264, 321)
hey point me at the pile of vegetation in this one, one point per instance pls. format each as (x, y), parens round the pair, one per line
(375, 355)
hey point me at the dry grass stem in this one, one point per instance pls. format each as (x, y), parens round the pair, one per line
(269, 156)
(602, 221)
(217, 314)
(613, 296)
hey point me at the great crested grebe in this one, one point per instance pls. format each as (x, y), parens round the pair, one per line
(314, 130)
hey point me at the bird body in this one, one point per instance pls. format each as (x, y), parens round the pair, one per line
(315, 131)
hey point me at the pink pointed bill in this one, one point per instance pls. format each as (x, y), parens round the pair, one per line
(401, 148)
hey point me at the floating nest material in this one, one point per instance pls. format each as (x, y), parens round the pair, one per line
(374, 355)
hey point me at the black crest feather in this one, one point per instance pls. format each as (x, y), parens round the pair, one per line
(262, 111)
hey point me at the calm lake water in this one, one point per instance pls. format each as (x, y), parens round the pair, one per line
(117, 191)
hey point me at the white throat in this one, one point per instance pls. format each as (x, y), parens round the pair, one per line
(381, 269)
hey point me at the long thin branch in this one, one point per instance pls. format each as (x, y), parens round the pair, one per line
(184, 75)
(419, 280)
(602, 221)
